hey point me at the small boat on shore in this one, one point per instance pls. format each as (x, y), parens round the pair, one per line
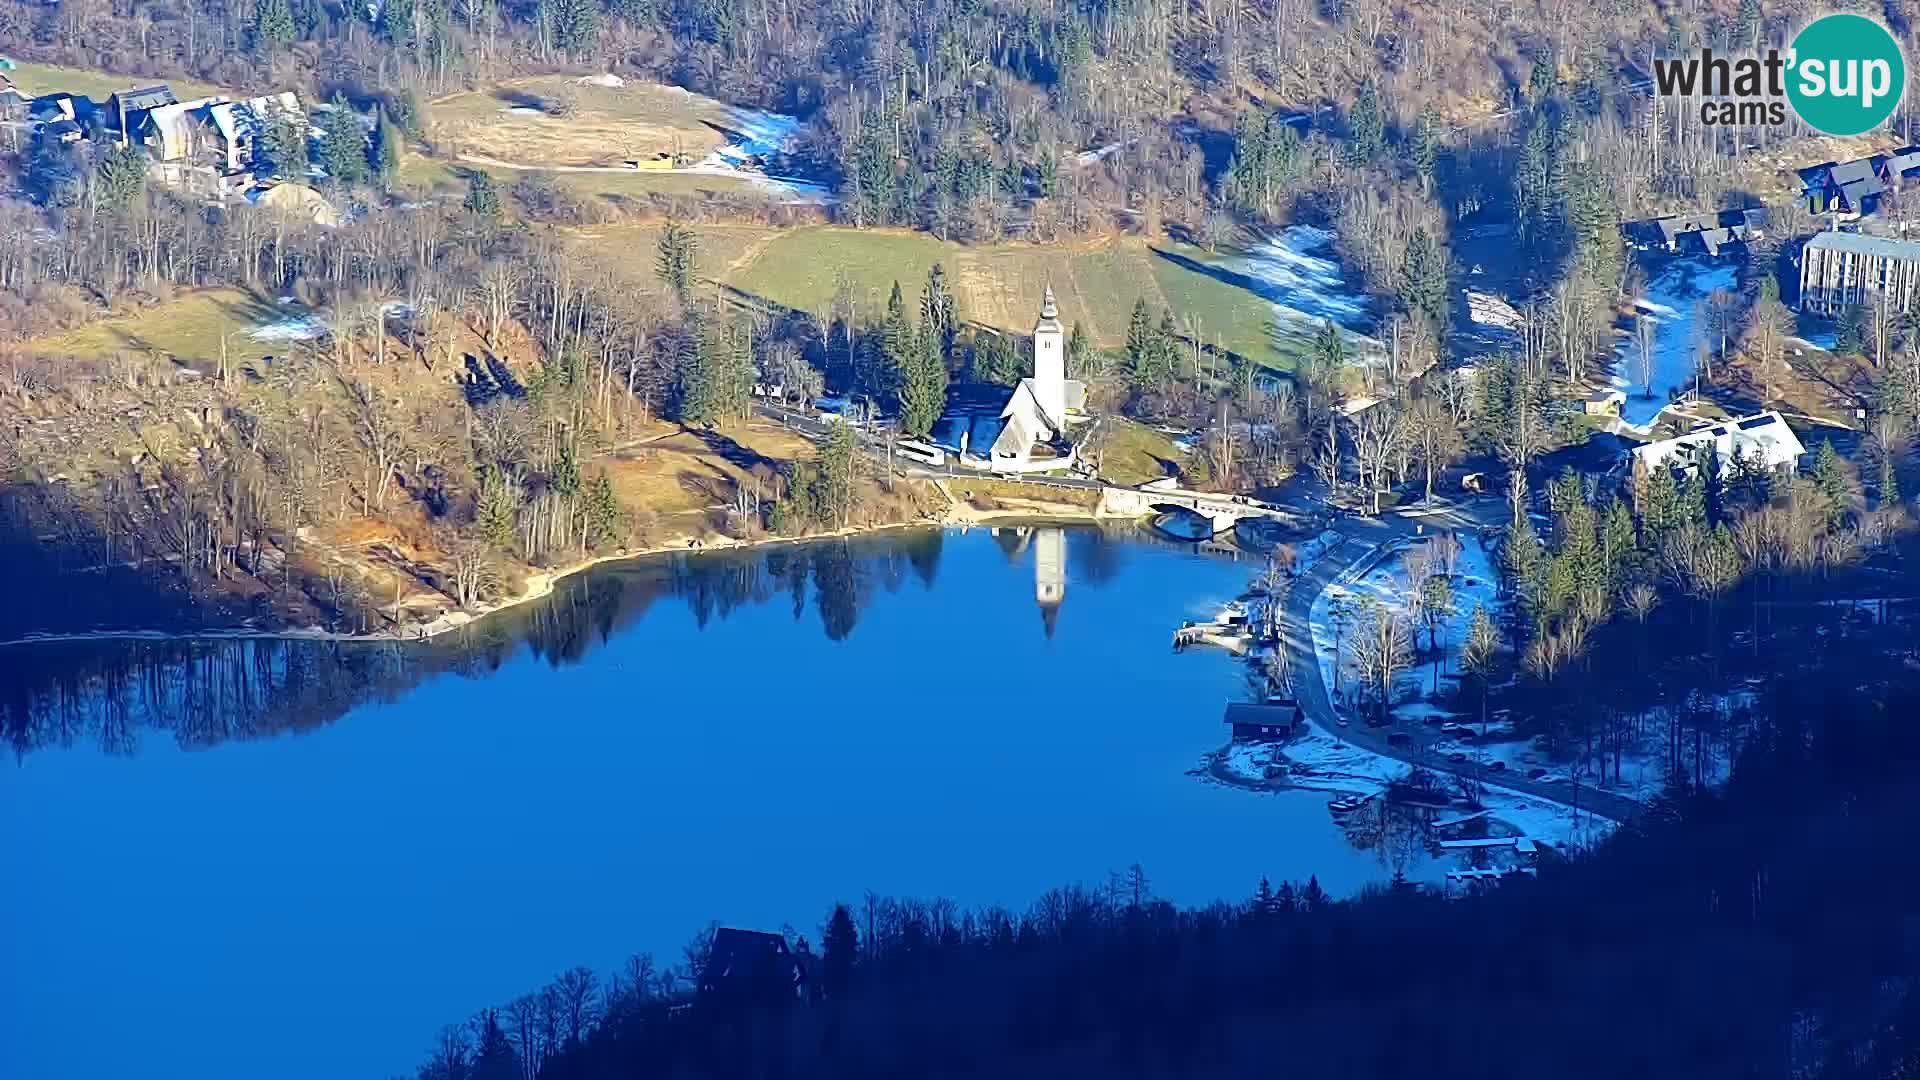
(1347, 804)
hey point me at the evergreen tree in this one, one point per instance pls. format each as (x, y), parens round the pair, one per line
(1522, 558)
(1533, 195)
(1852, 332)
(1592, 219)
(575, 23)
(1658, 502)
(1166, 342)
(1139, 339)
(923, 395)
(1263, 898)
(386, 147)
(1830, 481)
(840, 946)
(307, 16)
(396, 21)
(495, 1058)
(343, 144)
(120, 177)
(1266, 162)
(1330, 348)
(483, 199)
(938, 313)
(1618, 545)
(1423, 149)
(995, 360)
(898, 349)
(678, 248)
(1366, 126)
(833, 488)
(273, 24)
(605, 519)
(497, 509)
(1423, 279)
(1542, 80)
(1080, 356)
(284, 144)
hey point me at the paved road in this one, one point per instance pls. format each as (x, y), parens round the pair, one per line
(1310, 689)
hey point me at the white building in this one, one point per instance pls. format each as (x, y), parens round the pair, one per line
(1037, 410)
(1763, 438)
(1840, 270)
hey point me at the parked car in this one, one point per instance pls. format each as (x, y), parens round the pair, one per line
(1457, 758)
(1436, 720)
(1455, 729)
(1498, 766)
(1536, 774)
(1399, 738)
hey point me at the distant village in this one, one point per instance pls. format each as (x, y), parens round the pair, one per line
(214, 147)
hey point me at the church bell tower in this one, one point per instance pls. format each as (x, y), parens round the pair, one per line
(1050, 361)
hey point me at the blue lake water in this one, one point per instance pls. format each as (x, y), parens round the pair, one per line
(232, 860)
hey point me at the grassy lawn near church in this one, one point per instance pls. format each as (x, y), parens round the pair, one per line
(1096, 283)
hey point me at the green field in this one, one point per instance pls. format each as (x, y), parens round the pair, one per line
(1136, 453)
(190, 328)
(430, 176)
(998, 286)
(39, 79)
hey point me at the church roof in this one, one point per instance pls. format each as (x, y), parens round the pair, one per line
(1025, 402)
(1049, 313)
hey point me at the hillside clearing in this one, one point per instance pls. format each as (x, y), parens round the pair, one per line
(998, 286)
(40, 79)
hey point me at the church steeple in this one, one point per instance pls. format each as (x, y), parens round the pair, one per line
(1050, 360)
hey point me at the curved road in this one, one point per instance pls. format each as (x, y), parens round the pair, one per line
(1310, 690)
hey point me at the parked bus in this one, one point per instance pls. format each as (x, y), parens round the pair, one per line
(915, 450)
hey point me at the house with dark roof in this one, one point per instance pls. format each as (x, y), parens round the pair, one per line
(55, 107)
(1275, 719)
(127, 108)
(1852, 187)
(748, 967)
(1698, 232)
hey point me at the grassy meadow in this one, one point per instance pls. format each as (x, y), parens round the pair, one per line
(39, 79)
(1096, 283)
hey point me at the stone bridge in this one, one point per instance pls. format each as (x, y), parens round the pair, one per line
(1222, 510)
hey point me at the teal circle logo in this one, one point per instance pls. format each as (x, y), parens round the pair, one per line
(1846, 74)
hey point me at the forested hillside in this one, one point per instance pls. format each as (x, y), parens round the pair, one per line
(922, 110)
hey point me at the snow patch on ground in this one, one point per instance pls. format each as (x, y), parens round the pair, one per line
(608, 80)
(1297, 270)
(1672, 302)
(1488, 310)
(1382, 577)
(294, 326)
(1561, 826)
(758, 134)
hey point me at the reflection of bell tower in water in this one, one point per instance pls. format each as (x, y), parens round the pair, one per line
(1049, 573)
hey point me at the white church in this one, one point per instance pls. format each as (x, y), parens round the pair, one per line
(1036, 413)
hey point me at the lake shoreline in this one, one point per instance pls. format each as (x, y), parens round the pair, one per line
(540, 585)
